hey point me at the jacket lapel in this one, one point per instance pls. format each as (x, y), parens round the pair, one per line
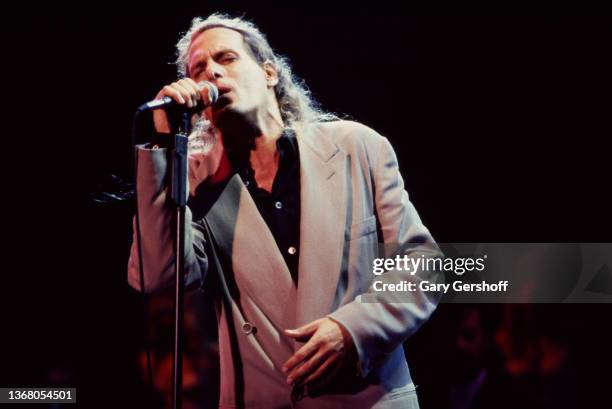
(322, 223)
(259, 269)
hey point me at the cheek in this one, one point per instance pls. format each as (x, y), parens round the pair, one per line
(253, 89)
(254, 82)
(252, 78)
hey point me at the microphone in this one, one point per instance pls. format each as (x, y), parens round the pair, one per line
(166, 102)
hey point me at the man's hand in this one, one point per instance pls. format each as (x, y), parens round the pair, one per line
(328, 349)
(184, 92)
(213, 165)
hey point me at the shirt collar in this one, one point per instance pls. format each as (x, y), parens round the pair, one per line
(287, 143)
(287, 147)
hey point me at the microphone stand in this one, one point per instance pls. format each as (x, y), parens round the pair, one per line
(179, 197)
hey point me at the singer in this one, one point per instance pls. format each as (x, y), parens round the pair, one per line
(296, 200)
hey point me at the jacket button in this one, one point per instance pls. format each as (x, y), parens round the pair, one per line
(248, 328)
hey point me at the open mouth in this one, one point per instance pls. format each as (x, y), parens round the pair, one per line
(223, 99)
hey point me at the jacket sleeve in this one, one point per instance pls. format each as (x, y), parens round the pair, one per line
(381, 321)
(157, 229)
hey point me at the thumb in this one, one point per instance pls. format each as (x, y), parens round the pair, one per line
(304, 331)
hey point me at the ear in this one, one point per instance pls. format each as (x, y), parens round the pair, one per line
(271, 73)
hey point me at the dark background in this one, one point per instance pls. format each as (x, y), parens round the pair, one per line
(500, 124)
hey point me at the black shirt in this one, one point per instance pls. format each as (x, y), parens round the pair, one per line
(280, 208)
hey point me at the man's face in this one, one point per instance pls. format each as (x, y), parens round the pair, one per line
(220, 55)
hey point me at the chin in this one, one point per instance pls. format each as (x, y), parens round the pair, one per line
(227, 113)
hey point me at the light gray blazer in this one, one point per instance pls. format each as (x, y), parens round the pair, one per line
(352, 197)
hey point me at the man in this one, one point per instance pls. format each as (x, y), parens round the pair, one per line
(294, 204)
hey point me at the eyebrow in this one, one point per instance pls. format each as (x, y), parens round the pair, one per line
(216, 55)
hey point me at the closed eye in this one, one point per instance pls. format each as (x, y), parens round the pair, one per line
(224, 57)
(228, 58)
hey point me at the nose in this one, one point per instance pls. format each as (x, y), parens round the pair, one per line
(213, 72)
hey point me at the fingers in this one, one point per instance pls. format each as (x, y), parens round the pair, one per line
(318, 361)
(192, 88)
(323, 372)
(184, 91)
(304, 332)
(308, 367)
(179, 94)
(172, 92)
(302, 354)
(326, 380)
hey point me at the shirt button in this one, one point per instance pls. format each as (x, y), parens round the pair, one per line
(292, 250)
(278, 205)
